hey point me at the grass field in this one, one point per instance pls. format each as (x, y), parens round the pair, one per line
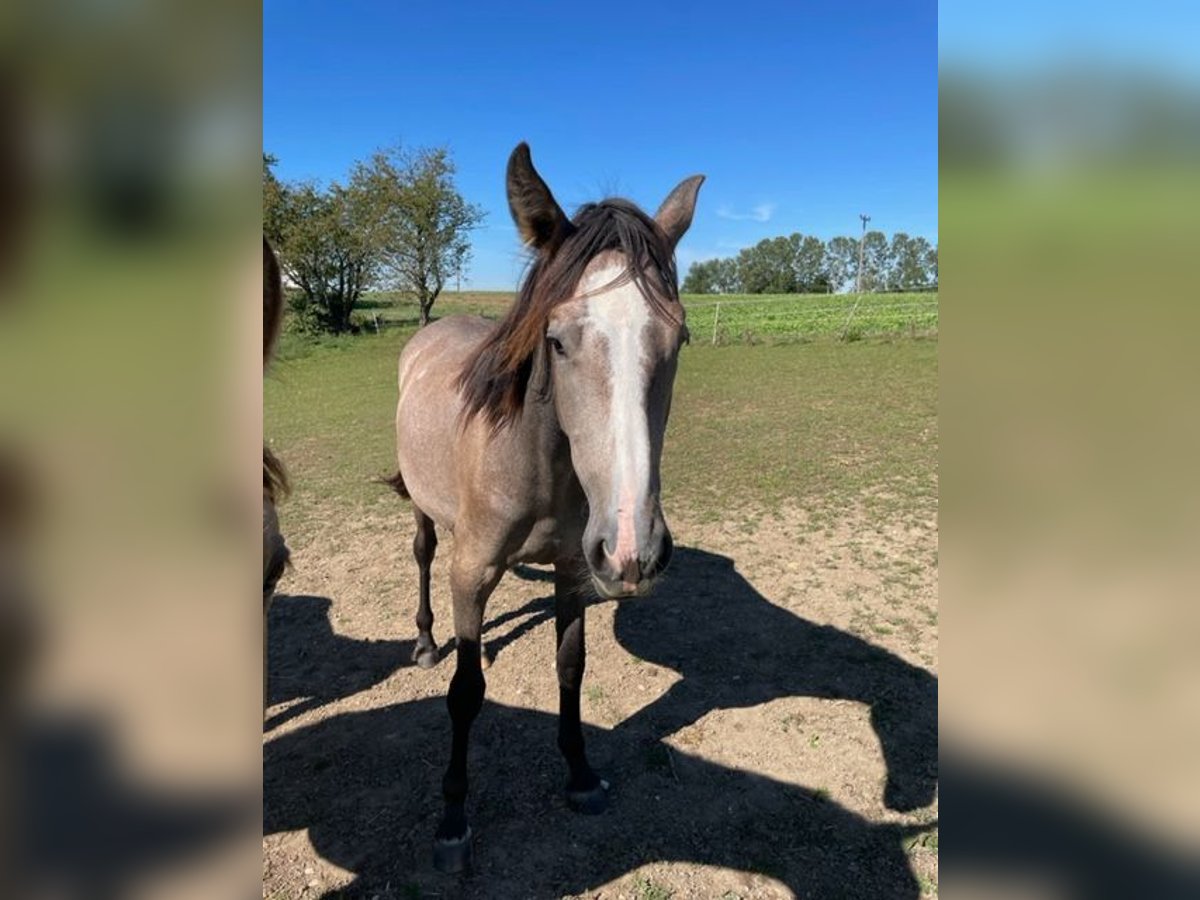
(747, 317)
(719, 319)
(820, 423)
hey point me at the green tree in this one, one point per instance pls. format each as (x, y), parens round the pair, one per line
(810, 267)
(768, 266)
(272, 201)
(841, 262)
(325, 247)
(701, 277)
(419, 222)
(910, 262)
(931, 267)
(725, 277)
(876, 261)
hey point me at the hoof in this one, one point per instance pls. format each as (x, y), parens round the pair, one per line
(453, 855)
(426, 659)
(425, 655)
(590, 802)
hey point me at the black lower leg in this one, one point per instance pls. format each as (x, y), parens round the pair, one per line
(464, 702)
(584, 787)
(424, 547)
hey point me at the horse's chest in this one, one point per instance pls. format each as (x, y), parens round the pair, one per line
(551, 537)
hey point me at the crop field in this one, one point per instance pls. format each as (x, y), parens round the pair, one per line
(768, 716)
(723, 319)
(749, 317)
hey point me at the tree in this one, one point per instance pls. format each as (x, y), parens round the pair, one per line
(767, 267)
(805, 264)
(876, 261)
(811, 274)
(841, 262)
(701, 277)
(420, 223)
(325, 247)
(272, 202)
(725, 277)
(910, 262)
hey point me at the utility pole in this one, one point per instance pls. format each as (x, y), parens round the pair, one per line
(858, 281)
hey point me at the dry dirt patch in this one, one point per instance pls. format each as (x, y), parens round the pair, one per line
(768, 718)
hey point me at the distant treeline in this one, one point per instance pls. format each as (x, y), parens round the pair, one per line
(803, 264)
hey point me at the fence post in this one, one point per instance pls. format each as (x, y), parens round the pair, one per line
(716, 319)
(853, 310)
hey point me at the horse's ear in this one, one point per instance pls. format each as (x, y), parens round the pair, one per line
(538, 216)
(272, 300)
(675, 214)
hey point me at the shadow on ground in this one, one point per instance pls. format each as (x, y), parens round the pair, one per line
(365, 785)
(90, 827)
(308, 662)
(736, 649)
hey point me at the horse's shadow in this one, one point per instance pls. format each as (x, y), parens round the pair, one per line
(307, 661)
(364, 785)
(92, 825)
(734, 649)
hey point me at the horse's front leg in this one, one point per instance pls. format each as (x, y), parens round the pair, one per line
(471, 585)
(586, 792)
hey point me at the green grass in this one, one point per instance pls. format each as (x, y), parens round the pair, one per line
(821, 424)
(749, 318)
(645, 889)
(733, 318)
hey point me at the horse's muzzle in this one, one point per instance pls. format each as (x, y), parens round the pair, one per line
(617, 577)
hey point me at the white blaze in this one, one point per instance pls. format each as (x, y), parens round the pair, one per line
(621, 316)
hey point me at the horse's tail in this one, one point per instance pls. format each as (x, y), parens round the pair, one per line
(396, 483)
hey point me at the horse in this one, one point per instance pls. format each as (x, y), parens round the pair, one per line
(538, 439)
(275, 482)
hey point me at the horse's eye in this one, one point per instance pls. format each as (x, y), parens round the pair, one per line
(557, 346)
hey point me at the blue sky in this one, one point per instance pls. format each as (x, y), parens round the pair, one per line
(802, 115)
(1022, 35)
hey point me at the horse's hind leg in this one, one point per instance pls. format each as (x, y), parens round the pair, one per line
(586, 792)
(425, 654)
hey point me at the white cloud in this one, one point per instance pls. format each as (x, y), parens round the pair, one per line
(760, 213)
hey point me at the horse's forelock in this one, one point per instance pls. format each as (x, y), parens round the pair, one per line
(495, 380)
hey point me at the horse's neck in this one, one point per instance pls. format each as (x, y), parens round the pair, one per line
(545, 435)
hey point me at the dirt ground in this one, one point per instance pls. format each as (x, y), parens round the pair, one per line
(767, 718)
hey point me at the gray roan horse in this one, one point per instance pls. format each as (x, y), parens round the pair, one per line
(538, 439)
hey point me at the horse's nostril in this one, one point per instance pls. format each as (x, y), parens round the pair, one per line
(658, 563)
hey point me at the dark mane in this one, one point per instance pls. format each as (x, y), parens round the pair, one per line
(275, 480)
(494, 382)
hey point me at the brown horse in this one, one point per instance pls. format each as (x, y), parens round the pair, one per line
(538, 439)
(275, 552)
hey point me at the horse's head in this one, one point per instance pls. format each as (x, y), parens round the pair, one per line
(611, 343)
